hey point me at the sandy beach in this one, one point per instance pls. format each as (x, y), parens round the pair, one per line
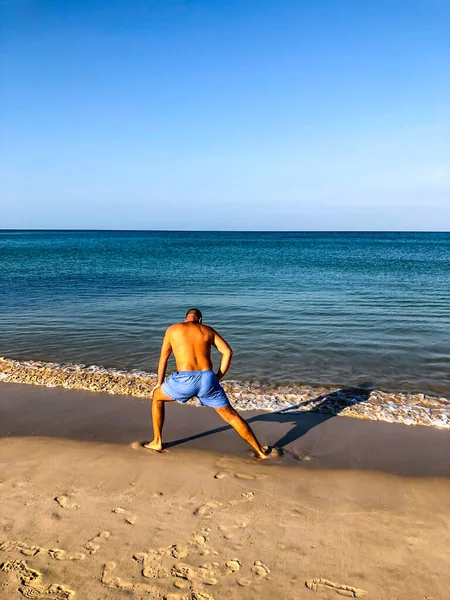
(353, 508)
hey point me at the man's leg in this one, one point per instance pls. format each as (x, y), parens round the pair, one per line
(158, 413)
(230, 416)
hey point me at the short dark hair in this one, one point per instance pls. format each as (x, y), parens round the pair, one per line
(194, 311)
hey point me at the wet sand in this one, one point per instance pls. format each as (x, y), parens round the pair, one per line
(89, 514)
(310, 439)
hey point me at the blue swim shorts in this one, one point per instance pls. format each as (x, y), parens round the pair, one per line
(182, 385)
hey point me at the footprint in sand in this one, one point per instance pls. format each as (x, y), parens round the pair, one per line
(63, 501)
(63, 555)
(248, 496)
(158, 563)
(206, 574)
(188, 577)
(343, 590)
(274, 451)
(114, 582)
(191, 596)
(229, 535)
(26, 574)
(119, 584)
(152, 560)
(259, 569)
(53, 591)
(301, 456)
(245, 497)
(130, 519)
(30, 550)
(30, 580)
(242, 524)
(245, 476)
(220, 475)
(182, 584)
(93, 545)
(27, 549)
(40, 592)
(233, 566)
(207, 510)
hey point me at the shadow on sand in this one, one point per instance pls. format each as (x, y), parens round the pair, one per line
(299, 415)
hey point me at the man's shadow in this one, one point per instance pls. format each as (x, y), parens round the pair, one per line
(303, 416)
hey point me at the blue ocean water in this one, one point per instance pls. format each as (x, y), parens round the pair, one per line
(357, 309)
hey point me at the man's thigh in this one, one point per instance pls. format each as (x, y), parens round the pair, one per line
(158, 394)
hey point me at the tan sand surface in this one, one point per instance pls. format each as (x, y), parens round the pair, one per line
(87, 513)
(108, 521)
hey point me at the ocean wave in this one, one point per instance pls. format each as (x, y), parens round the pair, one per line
(375, 405)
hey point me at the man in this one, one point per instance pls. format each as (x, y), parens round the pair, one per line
(191, 344)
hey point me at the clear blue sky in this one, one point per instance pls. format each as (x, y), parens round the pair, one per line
(225, 114)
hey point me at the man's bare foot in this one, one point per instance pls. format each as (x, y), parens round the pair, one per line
(270, 452)
(157, 446)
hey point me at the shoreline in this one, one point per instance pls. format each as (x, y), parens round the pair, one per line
(365, 404)
(310, 440)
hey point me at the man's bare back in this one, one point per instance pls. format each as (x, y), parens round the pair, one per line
(191, 344)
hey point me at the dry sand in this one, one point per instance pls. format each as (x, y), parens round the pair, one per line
(85, 509)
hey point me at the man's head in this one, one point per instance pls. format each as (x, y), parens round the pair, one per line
(193, 315)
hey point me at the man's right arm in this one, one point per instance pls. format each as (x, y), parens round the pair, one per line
(166, 351)
(226, 352)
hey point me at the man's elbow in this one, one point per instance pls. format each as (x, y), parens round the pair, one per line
(229, 352)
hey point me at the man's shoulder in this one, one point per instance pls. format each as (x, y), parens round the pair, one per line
(206, 327)
(175, 327)
(183, 325)
(210, 332)
(172, 328)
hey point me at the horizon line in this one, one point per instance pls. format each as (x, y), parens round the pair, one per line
(39, 229)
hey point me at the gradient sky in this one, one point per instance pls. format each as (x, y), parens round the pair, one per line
(225, 114)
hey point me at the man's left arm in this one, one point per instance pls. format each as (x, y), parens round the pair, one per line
(226, 352)
(166, 351)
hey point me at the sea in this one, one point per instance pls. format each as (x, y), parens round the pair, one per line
(363, 310)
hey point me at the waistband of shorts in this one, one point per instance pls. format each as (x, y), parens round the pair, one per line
(193, 372)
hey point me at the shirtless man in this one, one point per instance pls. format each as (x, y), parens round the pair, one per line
(191, 344)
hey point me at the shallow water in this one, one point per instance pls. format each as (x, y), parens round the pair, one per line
(354, 309)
